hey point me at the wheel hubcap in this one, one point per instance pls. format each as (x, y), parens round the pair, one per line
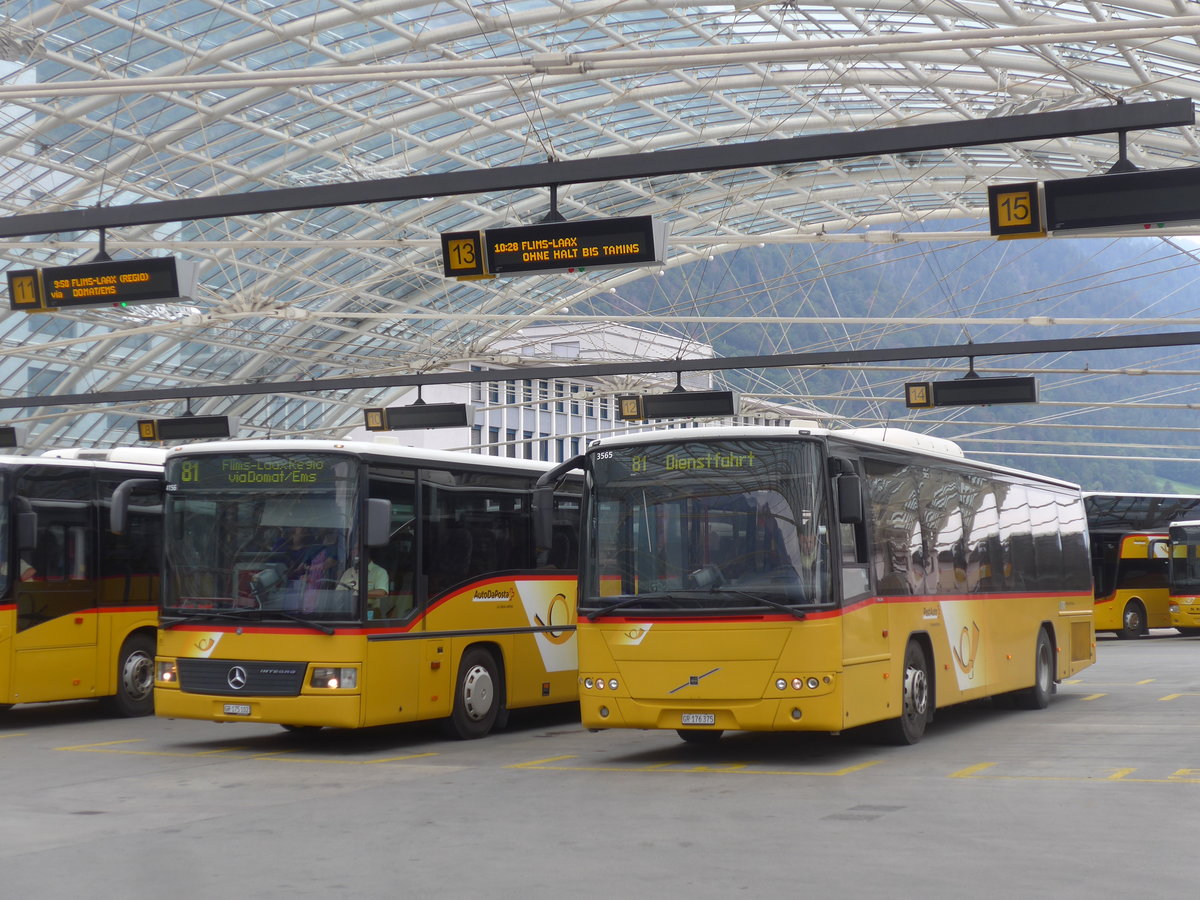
(478, 693)
(916, 693)
(138, 676)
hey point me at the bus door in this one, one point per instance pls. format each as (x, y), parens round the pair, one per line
(866, 613)
(396, 656)
(55, 590)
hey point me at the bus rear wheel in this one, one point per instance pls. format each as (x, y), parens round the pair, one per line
(1038, 696)
(135, 678)
(478, 695)
(1133, 620)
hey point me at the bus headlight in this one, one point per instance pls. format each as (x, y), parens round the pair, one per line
(165, 671)
(334, 678)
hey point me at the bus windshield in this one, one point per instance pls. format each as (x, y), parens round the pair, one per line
(262, 535)
(6, 543)
(733, 527)
(1185, 559)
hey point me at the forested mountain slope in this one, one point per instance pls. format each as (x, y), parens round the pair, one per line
(1087, 412)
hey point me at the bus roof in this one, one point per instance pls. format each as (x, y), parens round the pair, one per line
(864, 438)
(395, 452)
(68, 458)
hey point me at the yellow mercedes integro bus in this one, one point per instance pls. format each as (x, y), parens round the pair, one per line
(1130, 547)
(78, 605)
(771, 579)
(1183, 577)
(323, 583)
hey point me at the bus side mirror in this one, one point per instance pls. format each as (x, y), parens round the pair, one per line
(118, 513)
(849, 497)
(379, 522)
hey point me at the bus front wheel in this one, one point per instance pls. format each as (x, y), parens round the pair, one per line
(916, 701)
(135, 678)
(1133, 620)
(478, 695)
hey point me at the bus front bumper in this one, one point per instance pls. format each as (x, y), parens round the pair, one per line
(330, 710)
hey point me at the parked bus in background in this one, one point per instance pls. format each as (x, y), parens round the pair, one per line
(1183, 577)
(1130, 550)
(327, 583)
(79, 604)
(761, 580)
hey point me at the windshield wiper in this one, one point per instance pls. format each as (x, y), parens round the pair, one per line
(774, 604)
(242, 615)
(319, 626)
(237, 615)
(627, 600)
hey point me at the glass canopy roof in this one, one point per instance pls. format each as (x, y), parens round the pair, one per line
(110, 104)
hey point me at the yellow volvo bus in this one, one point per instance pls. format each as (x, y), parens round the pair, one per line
(1130, 549)
(323, 583)
(78, 605)
(1183, 577)
(766, 580)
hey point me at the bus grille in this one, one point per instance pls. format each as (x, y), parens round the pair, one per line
(219, 676)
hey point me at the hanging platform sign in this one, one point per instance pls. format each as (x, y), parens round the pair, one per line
(115, 283)
(555, 247)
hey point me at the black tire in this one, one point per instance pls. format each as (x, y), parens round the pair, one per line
(135, 678)
(698, 735)
(916, 700)
(1038, 696)
(478, 695)
(1133, 620)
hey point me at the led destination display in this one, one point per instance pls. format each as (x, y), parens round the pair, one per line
(110, 283)
(555, 247)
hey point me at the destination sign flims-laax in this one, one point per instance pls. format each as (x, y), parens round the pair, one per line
(555, 247)
(110, 283)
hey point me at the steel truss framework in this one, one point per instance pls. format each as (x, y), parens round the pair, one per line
(111, 105)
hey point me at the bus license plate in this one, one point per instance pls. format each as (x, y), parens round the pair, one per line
(699, 718)
(237, 709)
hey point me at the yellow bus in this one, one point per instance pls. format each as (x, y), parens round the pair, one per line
(1183, 577)
(1130, 549)
(327, 583)
(764, 579)
(78, 605)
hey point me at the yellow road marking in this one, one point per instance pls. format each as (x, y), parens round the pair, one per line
(114, 747)
(1186, 776)
(676, 768)
(342, 762)
(971, 770)
(1094, 696)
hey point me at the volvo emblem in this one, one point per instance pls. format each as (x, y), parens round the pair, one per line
(236, 678)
